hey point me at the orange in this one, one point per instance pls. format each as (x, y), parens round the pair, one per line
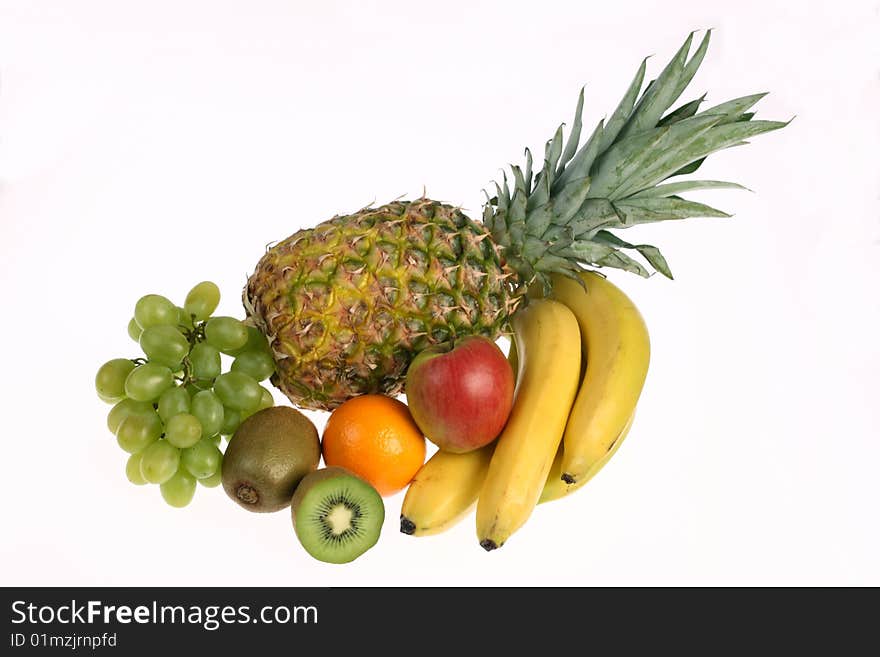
(375, 437)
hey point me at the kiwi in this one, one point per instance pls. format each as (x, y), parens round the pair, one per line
(267, 456)
(337, 515)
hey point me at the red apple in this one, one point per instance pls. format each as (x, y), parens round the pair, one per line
(460, 393)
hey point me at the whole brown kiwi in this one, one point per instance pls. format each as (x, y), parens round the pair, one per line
(269, 454)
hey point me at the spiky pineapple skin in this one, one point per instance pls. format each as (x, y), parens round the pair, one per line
(348, 304)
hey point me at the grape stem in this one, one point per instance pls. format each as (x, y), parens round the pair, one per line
(193, 336)
(187, 376)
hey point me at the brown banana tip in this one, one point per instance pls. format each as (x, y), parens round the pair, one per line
(489, 545)
(407, 526)
(567, 478)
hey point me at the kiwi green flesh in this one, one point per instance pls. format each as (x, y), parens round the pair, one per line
(337, 515)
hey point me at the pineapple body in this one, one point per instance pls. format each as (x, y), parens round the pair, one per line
(347, 304)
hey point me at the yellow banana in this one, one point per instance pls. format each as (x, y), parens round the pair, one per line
(447, 486)
(617, 351)
(444, 490)
(556, 487)
(548, 353)
(512, 358)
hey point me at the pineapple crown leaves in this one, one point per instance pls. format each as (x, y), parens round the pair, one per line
(559, 219)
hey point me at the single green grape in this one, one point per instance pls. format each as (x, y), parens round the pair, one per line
(179, 489)
(208, 409)
(134, 330)
(148, 381)
(133, 469)
(202, 300)
(184, 319)
(183, 430)
(123, 409)
(159, 462)
(173, 401)
(154, 310)
(213, 481)
(258, 365)
(256, 341)
(237, 390)
(110, 379)
(231, 420)
(204, 361)
(136, 432)
(164, 345)
(202, 459)
(225, 333)
(266, 401)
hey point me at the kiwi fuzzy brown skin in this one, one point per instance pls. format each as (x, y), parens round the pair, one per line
(267, 457)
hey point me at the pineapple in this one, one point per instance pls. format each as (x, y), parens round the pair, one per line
(347, 304)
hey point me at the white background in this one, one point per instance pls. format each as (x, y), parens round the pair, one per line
(147, 146)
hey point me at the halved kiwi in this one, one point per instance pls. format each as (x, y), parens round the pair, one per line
(337, 515)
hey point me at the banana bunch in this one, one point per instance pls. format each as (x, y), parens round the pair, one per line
(567, 420)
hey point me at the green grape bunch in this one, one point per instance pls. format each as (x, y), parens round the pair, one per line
(172, 405)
